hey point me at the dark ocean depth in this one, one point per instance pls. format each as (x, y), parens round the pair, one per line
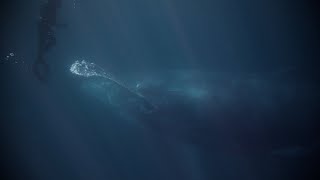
(159, 90)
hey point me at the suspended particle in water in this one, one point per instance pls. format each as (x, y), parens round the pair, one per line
(11, 58)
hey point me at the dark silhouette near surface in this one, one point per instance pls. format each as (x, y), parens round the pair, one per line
(46, 37)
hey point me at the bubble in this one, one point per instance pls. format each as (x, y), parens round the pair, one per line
(86, 69)
(107, 88)
(11, 54)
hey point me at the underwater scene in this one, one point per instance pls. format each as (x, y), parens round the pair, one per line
(160, 90)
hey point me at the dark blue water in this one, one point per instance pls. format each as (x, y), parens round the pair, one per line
(200, 90)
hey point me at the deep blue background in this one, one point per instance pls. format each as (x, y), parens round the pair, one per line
(53, 131)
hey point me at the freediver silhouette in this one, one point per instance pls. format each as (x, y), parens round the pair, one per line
(46, 37)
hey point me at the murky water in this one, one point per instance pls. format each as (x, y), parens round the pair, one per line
(183, 90)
